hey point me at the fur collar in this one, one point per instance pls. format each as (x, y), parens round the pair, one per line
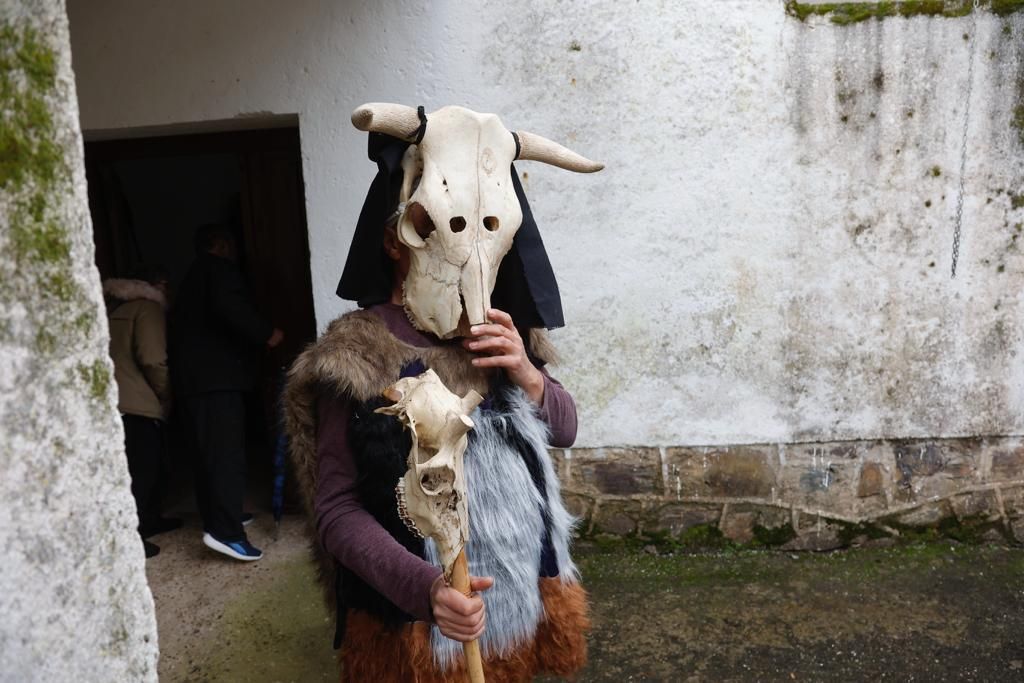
(130, 290)
(358, 357)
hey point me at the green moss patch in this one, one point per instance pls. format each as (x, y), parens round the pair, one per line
(974, 529)
(1017, 121)
(702, 536)
(46, 342)
(697, 537)
(96, 378)
(43, 242)
(770, 537)
(28, 73)
(32, 167)
(849, 532)
(35, 182)
(844, 13)
(1005, 8)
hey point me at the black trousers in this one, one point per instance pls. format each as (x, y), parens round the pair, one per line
(144, 445)
(216, 423)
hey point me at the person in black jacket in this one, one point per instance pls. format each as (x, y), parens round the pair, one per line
(218, 336)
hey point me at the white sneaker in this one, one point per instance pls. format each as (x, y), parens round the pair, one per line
(239, 550)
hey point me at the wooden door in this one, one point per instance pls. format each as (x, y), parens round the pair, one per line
(275, 239)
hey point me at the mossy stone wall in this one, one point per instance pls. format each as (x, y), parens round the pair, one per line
(73, 590)
(813, 496)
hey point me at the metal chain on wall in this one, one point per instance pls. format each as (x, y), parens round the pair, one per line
(959, 218)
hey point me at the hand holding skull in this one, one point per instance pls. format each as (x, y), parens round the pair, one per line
(503, 347)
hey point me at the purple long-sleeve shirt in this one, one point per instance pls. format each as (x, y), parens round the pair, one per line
(350, 533)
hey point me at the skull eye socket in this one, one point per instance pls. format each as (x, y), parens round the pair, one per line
(421, 220)
(457, 224)
(437, 481)
(491, 223)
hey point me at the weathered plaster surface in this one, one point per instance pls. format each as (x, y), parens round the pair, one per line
(73, 594)
(765, 257)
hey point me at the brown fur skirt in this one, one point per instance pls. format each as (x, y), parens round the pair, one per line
(374, 652)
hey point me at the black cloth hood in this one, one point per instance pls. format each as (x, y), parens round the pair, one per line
(525, 287)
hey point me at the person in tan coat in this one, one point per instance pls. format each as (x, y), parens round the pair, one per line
(136, 310)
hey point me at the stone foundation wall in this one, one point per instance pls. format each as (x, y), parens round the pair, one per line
(813, 496)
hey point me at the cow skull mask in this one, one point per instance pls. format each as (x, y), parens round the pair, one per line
(458, 208)
(432, 494)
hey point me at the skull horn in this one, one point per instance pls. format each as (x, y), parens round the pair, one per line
(396, 120)
(536, 148)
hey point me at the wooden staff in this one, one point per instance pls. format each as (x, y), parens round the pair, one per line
(470, 649)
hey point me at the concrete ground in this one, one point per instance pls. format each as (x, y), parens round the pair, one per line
(939, 612)
(222, 620)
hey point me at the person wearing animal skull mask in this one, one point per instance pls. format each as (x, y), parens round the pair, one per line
(450, 274)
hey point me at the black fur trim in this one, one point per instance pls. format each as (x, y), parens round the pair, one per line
(380, 446)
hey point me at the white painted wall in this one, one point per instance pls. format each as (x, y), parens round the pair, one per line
(749, 267)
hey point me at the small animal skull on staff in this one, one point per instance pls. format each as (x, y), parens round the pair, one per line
(432, 494)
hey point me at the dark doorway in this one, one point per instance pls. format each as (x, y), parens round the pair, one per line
(148, 195)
